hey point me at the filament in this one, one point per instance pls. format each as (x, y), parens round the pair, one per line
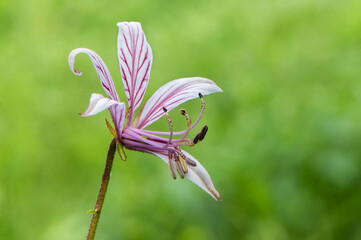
(170, 126)
(189, 122)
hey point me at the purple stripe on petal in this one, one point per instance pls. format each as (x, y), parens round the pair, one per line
(135, 59)
(118, 116)
(173, 94)
(101, 69)
(99, 103)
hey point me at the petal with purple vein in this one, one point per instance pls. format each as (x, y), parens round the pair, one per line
(135, 59)
(101, 69)
(172, 94)
(99, 103)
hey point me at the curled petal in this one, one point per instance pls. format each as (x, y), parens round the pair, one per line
(197, 174)
(172, 94)
(101, 69)
(99, 103)
(135, 59)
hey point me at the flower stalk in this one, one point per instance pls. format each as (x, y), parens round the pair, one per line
(103, 190)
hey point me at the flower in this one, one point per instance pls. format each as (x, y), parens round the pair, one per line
(135, 59)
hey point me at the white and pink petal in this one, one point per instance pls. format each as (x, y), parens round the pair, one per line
(101, 69)
(135, 59)
(197, 175)
(117, 112)
(99, 103)
(173, 94)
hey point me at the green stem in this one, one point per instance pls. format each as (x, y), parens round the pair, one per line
(103, 190)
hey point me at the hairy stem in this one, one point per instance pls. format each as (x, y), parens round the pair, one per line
(103, 190)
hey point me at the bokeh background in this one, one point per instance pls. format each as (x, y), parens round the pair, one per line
(283, 146)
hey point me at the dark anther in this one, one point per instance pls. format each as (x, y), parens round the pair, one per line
(200, 95)
(182, 111)
(203, 132)
(164, 109)
(196, 138)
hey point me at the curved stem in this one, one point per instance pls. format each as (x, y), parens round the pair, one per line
(103, 190)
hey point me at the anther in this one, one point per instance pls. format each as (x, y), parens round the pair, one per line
(196, 138)
(203, 132)
(200, 95)
(171, 165)
(179, 169)
(164, 109)
(187, 160)
(183, 164)
(183, 112)
(191, 162)
(200, 136)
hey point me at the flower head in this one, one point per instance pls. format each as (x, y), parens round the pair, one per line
(135, 59)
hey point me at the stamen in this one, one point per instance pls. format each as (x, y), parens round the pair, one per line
(199, 117)
(170, 126)
(189, 121)
(202, 110)
(202, 100)
(179, 169)
(193, 125)
(196, 138)
(183, 112)
(191, 162)
(200, 136)
(183, 164)
(171, 165)
(188, 160)
(203, 132)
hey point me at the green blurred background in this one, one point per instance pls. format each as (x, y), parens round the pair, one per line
(283, 146)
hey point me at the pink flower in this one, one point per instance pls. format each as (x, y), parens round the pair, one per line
(135, 59)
